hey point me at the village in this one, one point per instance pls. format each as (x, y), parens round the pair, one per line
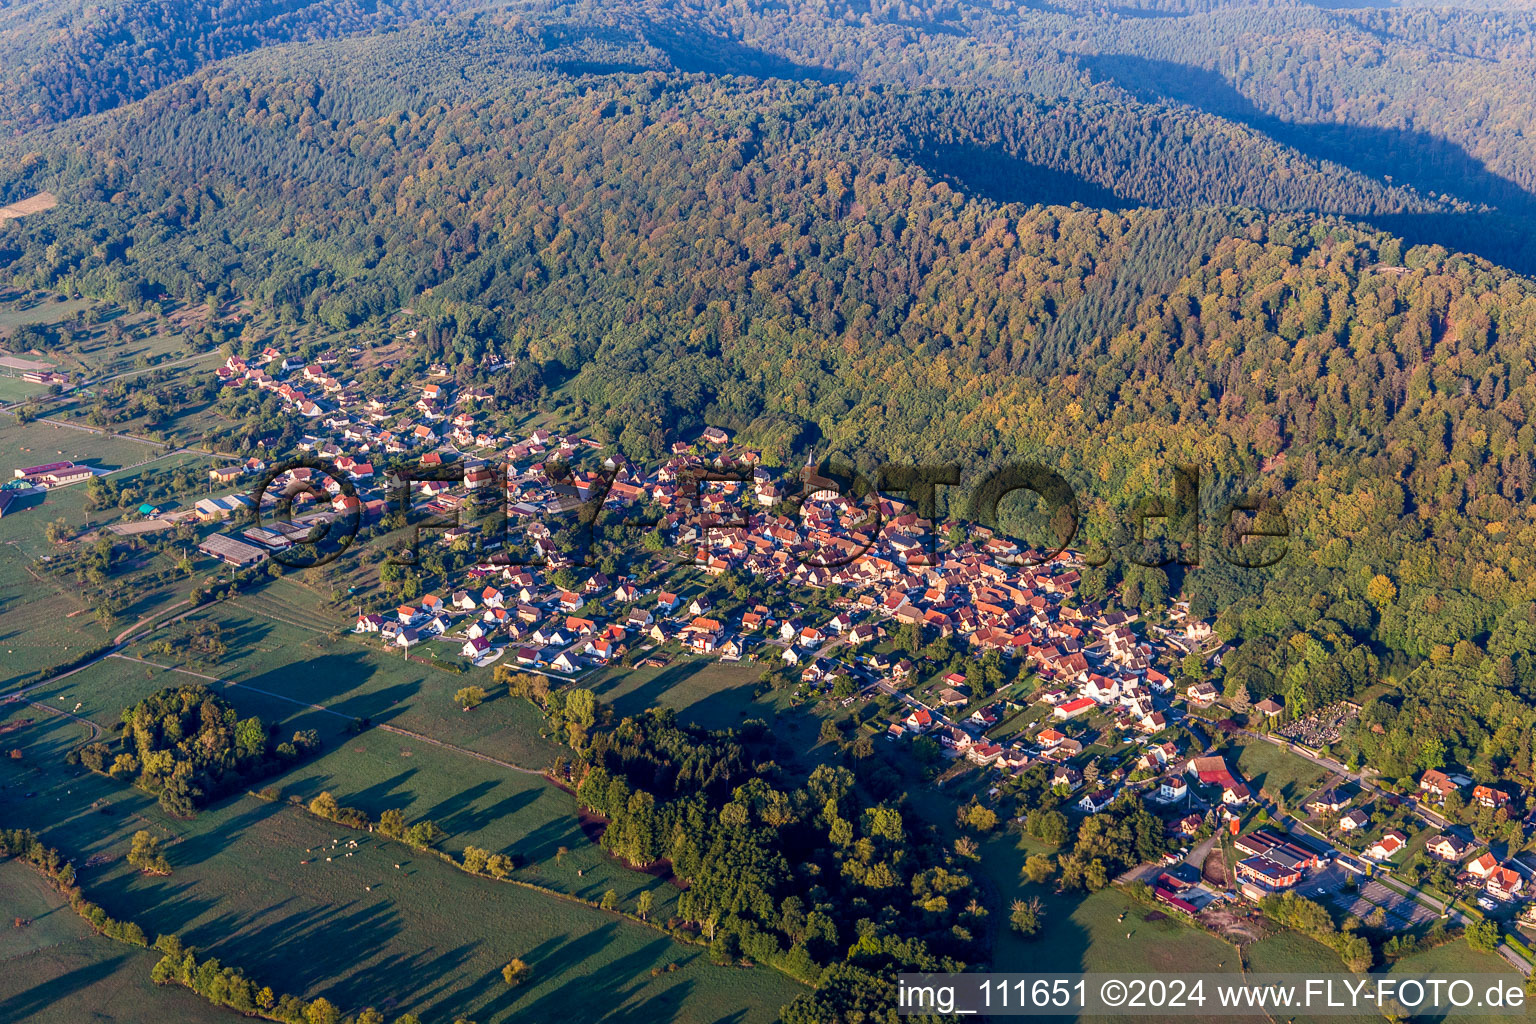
(1103, 702)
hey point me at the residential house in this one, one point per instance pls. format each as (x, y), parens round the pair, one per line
(1066, 775)
(1201, 693)
(1448, 848)
(1171, 788)
(1329, 801)
(1504, 883)
(1387, 846)
(1483, 866)
(1436, 785)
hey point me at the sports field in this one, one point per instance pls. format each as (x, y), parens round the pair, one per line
(39, 442)
(14, 389)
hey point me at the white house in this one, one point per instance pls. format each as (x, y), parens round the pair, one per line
(1173, 788)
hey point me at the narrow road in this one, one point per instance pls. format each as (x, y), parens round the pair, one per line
(45, 706)
(122, 637)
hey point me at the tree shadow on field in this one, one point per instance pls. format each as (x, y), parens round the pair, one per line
(315, 948)
(470, 819)
(648, 694)
(40, 997)
(243, 633)
(380, 706)
(376, 798)
(333, 681)
(457, 813)
(195, 849)
(722, 709)
(163, 907)
(409, 979)
(596, 991)
(544, 842)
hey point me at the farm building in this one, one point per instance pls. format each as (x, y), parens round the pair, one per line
(231, 551)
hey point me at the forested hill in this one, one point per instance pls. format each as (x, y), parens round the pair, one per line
(67, 59)
(863, 244)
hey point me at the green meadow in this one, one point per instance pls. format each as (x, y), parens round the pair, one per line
(54, 968)
(423, 937)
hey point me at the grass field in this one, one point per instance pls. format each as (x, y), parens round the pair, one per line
(1291, 951)
(475, 802)
(38, 442)
(1280, 773)
(356, 677)
(1085, 933)
(1453, 958)
(427, 938)
(57, 970)
(702, 690)
(42, 621)
(50, 310)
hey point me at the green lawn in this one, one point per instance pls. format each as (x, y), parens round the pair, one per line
(1280, 773)
(57, 970)
(427, 938)
(1292, 952)
(1453, 958)
(357, 676)
(43, 622)
(475, 802)
(51, 310)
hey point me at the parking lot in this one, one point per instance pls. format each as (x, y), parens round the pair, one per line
(1402, 911)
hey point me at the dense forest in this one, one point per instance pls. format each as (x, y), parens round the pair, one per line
(805, 877)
